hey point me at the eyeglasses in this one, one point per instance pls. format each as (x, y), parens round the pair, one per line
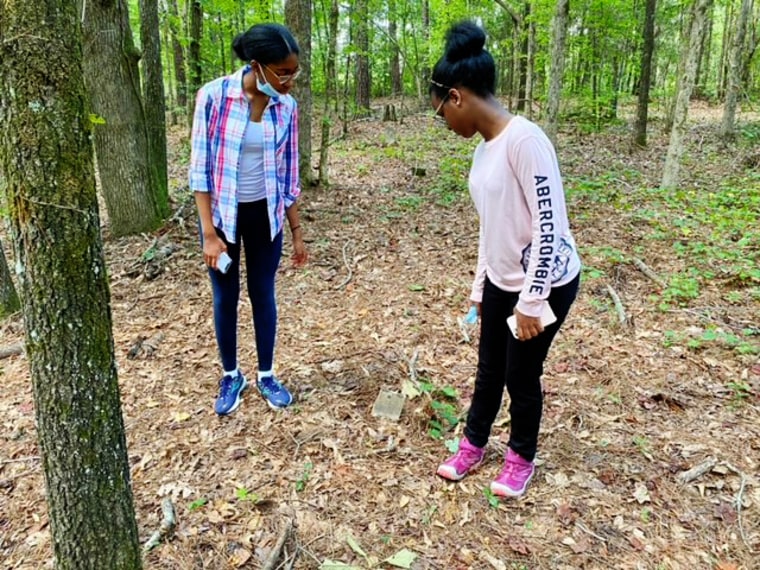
(283, 79)
(437, 116)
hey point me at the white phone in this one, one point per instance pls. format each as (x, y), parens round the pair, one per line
(547, 317)
(224, 262)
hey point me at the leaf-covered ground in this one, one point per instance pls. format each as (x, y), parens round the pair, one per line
(630, 408)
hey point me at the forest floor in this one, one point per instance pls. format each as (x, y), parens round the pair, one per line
(629, 408)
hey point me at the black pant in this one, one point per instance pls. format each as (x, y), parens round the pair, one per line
(504, 360)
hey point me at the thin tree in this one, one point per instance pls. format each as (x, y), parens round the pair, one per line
(395, 55)
(298, 19)
(133, 195)
(178, 53)
(559, 37)
(699, 12)
(645, 80)
(363, 87)
(733, 84)
(153, 91)
(46, 153)
(194, 54)
(9, 302)
(331, 90)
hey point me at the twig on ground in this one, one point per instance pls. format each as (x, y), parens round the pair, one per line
(168, 524)
(585, 529)
(350, 275)
(413, 365)
(11, 350)
(274, 555)
(738, 502)
(20, 459)
(618, 305)
(8, 482)
(697, 471)
(644, 268)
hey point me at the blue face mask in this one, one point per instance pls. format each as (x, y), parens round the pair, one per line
(266, 87)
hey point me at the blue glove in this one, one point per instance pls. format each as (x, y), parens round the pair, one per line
(471, 317)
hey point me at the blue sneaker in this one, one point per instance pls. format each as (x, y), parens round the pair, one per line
(230, 389)
(276, 395)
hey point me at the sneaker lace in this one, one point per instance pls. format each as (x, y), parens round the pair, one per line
(269, 385)
(224, 386)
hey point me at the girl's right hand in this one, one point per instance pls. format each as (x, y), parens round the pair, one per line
(213, 246)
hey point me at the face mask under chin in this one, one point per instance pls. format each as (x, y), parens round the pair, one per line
(266, 87)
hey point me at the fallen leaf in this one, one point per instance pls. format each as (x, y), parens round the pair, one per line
(726, 566)
(641, 494)
(402, 559)
(351, 541)
(239, 557)
(239, 453)
(565, 514)
(332, 565)
(518, 545)
(181, 416)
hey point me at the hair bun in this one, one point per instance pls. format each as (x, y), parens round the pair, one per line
(238, 46)
(463, 40)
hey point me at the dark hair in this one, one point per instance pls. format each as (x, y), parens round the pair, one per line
(465, 62)
(265, 43)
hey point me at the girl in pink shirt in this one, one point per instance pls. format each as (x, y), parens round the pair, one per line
(528, 265)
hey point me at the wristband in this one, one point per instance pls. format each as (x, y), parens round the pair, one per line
(293, 230)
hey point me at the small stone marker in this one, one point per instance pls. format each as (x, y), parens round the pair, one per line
(388, 405)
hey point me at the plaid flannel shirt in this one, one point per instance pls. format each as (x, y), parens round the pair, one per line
(222, 113)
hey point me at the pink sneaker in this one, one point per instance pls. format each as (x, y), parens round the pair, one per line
(466, 459)
(514, 478)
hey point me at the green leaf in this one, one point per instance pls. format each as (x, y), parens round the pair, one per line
(416, 287)
(332, 565)
(97, 119)
(449, 392)
(452, 445)
(402, 559)
(409, 389)
(197, 504)
(351, 541)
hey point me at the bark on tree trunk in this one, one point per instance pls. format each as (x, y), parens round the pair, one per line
(559, 37)
(46, 152)
(9, 302)
(331, 91)
(153, 90)
(130, 187)
(194, 55)
(397, 86)
(298, 19)
(179, 55)
(670, 175)
(362, 57)
(645, 81)
(733, 83)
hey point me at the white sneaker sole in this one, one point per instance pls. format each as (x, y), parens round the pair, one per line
(448, 471)
(503, 491)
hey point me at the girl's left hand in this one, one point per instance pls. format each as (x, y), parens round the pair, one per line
(527, 327)
(300, 256)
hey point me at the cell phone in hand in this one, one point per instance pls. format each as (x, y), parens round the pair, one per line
(547, 317)
(223, 262)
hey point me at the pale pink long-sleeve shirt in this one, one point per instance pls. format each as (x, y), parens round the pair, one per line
(525, 240)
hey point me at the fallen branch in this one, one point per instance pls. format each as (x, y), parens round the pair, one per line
(413, 365)
(582, 527)
(739, 503)
(274, 555)
(20, 459)
(348, 267)
(618, 305)
(168, 524)
(697, 471)
(644, 268)
(11, 350)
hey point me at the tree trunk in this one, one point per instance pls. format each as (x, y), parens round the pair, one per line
(523, 58)
(153, 92)
(397, 87)
(559, 37)
(9, 302)
(530, 72)
(194, 55)
(46, 152)
(363, 89)
(331, 91)
(733, 83)
(670, 175)
(298, 19)
(130, 187)
(645, 80)
(179, 55)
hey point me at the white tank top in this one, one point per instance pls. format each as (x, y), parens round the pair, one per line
(251, 185)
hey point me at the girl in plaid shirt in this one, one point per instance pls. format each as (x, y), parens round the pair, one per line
(244, 174)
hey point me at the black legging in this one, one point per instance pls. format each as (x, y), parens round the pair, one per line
(504, 360)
